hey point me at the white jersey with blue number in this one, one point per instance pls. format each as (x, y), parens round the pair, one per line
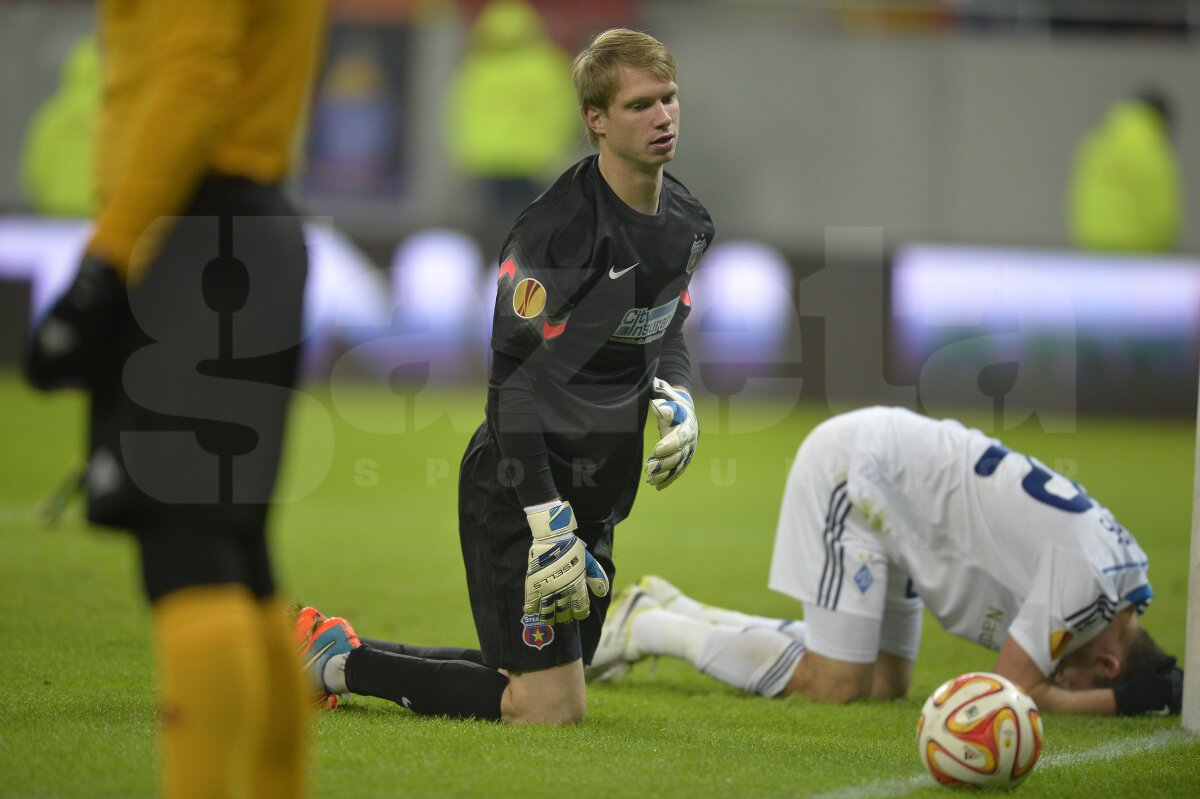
(996, 544)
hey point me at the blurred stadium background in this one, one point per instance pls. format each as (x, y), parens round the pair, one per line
(889, 181)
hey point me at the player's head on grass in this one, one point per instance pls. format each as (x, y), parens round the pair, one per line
(601, 68)
(1112, 658)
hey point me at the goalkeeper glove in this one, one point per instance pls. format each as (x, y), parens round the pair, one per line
(1157, 688)
(561, 570)
(67, 343)
(678, 428)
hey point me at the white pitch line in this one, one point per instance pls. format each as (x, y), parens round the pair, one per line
(1163, 739)
(877, 789)
(1123, 747)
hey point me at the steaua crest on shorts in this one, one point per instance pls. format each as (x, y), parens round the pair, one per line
(537, 633)
(529, 298)
(697, 250)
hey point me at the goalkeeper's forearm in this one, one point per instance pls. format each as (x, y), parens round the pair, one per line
(519, 432)
(674, 361)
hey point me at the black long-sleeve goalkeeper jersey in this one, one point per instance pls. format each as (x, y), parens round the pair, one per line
(590, 307)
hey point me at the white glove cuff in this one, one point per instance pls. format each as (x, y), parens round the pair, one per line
(558, 519)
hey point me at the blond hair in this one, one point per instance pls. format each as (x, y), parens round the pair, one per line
(597, 68)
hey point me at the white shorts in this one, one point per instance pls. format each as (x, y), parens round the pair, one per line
(828, 557)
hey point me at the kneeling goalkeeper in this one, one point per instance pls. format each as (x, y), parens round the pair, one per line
(586, 339)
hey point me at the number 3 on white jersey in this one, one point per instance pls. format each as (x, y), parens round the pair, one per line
(1035, 482)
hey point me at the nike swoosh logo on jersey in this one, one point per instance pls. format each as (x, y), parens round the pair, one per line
(614, 274)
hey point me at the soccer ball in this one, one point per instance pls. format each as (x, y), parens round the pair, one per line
(979, 729)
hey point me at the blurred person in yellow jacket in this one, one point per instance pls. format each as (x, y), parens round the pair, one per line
(183, 323)
(1125, 194)
(56, 160)
(511, 116)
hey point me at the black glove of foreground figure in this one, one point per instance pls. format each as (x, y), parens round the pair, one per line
(65, 344)
(1157, 688)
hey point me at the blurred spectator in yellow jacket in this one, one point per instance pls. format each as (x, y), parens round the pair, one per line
(1125, 194)
(56, 162)
(512, 116)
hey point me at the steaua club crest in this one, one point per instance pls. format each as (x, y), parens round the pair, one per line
(529, 298)
(537, 633)
(697, 250)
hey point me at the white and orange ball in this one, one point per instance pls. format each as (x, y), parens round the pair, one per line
(979, 729)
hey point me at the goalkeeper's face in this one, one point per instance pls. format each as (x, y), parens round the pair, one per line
(641, 124)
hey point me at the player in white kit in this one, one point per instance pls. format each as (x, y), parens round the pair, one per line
(885, 512)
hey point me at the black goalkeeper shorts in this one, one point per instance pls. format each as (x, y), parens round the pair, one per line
(495, 541)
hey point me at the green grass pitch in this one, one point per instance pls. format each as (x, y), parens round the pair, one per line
(368, 530)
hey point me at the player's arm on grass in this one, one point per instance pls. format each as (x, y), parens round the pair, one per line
(1101, 676)
(1015, 663)
(1074, 616)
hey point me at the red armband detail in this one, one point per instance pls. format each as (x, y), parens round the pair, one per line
(509, 267)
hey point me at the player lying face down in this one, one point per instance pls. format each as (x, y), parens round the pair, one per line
(886, 513)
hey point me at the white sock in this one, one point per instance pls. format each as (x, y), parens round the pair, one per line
(757, 660)
(662, 632)
(334, 674)
(754, 659)
(684, 605)
(792, 629)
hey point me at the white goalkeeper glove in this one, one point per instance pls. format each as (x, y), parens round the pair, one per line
(678, 428)
(561, 570)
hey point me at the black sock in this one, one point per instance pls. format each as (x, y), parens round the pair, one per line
(457, 688)
(426, 652)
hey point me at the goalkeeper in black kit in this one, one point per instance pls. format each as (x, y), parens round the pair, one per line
(587, 341)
